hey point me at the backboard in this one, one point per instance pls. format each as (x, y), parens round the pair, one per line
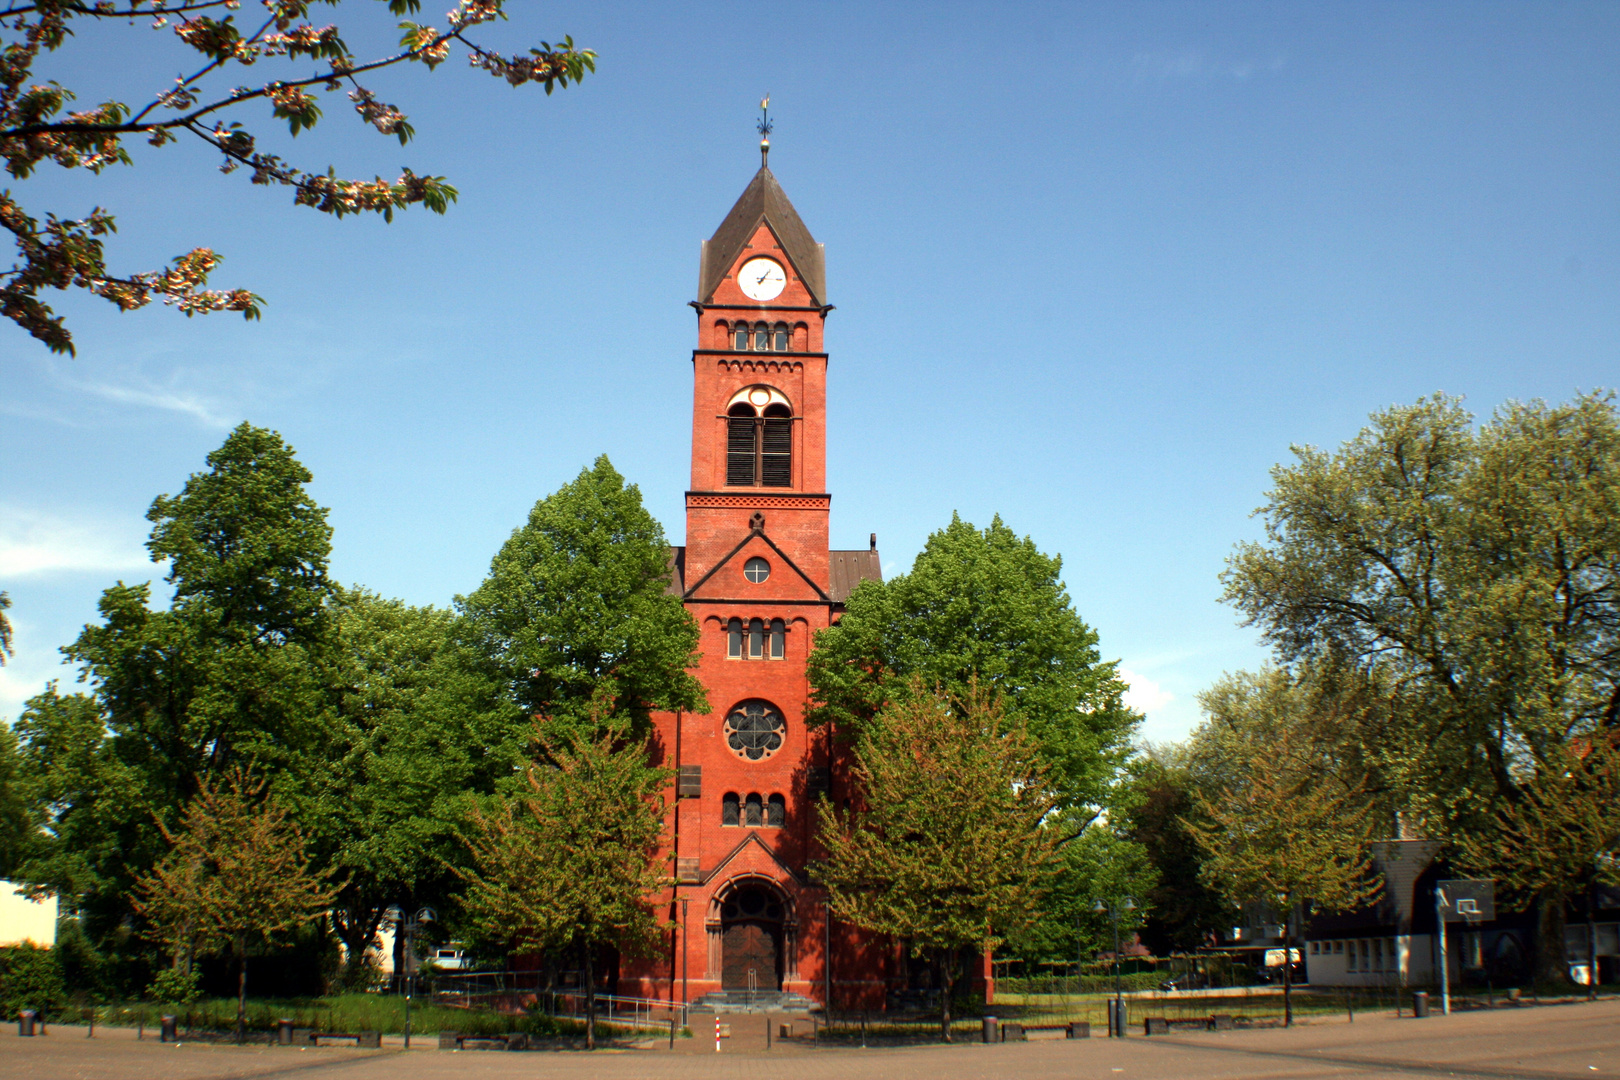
(1467, 900)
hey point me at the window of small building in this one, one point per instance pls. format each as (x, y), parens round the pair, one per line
(728, 808)
(1316, 947)
(1338, 946)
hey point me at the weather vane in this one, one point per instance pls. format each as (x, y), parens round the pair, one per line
(764, 127)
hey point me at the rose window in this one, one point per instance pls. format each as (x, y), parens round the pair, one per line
(754, 730)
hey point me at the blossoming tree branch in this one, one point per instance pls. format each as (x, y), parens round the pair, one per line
(64, 254)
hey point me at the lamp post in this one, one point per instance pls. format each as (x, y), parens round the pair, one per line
(408, 927)
(1113, 908)
(684, 997)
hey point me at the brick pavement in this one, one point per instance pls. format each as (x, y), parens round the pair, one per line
(1547, 1043)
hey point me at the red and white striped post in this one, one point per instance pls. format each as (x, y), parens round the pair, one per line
(717, 1033)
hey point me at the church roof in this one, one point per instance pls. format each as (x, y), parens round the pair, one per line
(850, 568)
(763, 200)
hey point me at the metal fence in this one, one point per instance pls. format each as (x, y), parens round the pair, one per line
(528, 991)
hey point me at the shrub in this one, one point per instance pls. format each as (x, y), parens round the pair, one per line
(31, 978)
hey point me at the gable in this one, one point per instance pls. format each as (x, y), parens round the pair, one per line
(787, 581)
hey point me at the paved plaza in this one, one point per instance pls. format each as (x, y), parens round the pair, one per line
(1556, 1041)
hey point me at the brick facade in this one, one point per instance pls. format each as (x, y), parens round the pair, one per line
(742, 888)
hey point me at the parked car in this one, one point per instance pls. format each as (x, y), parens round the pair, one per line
(451, 957)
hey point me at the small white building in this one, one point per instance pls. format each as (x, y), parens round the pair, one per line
(25, 921)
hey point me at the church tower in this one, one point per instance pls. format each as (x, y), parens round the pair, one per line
(759, 578)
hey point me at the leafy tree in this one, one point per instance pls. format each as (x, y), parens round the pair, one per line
(576, 612)
(1281, 824)
(947, 850)
(1562, 835)
(233, 671)
(420, 729)
(230, 671)
(65, 253)
(17, 825)
(91, 815)
(1100, 861)
(569, 865)
(982, 605)
(236, 876)
(1475, 571)
(1178, 909)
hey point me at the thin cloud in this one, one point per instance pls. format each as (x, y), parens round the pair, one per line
(1197, 64)
(33, 543)
(187, 403)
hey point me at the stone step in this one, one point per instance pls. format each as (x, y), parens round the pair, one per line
(760, 1001)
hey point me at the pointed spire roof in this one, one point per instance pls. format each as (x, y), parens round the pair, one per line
(763, 200)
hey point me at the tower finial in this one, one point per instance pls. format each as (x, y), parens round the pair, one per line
(764, 127)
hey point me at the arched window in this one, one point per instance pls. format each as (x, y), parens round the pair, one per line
(776, 447)
(734, 639)
(762, 337)
(728, 809)
(759, 439)
(778, 639)
(776, 812)
(756, 639)
(754, 812)
(754, 729)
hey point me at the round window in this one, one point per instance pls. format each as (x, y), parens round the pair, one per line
(754, 730)
(756, 570)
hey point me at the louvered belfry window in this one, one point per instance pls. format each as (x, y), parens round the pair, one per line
(759, 449)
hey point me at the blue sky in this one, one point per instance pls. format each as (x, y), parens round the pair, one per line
(1096, 267)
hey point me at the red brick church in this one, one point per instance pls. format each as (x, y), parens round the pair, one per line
(760, 578)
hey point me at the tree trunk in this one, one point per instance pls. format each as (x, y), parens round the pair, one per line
(1288, 980)
(241, 991)
(1552, 967)
(357, 935)
(946, 963)
(590, 996)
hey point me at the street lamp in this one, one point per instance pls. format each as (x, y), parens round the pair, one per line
(409, 927)
(1112, 909)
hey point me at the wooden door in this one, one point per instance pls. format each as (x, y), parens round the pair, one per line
(749, 946)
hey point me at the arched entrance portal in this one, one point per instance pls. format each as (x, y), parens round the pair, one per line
(752, 918)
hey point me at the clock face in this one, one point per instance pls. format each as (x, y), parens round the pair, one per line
(762, 279)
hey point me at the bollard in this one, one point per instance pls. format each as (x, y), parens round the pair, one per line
(672, 1033)
(284, 1028)
(991, 1032)
(168, 1033)
(767, 1032)
(717, 1033)
(1420, 1004)
(863, 1029)
(25, 1023)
